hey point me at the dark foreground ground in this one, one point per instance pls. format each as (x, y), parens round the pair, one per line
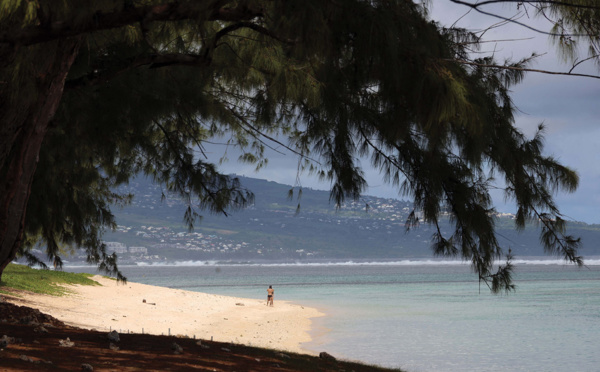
(33, 341)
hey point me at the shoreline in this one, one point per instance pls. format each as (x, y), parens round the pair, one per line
(121, 307)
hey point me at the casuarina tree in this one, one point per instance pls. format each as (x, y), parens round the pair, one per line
(95, 92)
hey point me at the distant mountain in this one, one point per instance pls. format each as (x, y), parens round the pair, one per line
(305, 227)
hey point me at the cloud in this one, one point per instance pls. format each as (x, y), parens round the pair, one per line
(568, 106)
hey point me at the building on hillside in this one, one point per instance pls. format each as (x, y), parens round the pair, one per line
(115, 247)
(142, 250)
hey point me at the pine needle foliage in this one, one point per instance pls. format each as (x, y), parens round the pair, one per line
(154, 80)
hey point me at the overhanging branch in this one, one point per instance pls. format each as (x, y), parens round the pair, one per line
(471, 63)
(252, 26)
(151, 61)
(169, 11)
(489, 2)
(476, 7)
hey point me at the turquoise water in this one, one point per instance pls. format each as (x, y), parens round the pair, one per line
(423, 316)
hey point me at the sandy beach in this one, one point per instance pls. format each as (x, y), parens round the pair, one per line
(141, 308)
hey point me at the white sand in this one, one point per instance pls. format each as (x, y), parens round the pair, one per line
(120, 307)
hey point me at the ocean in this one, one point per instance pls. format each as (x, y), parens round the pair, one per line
(420, 315)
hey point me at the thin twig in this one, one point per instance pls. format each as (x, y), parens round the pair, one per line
(471, 63)
(476, 7)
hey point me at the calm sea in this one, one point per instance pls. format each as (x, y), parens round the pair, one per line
(421, 315)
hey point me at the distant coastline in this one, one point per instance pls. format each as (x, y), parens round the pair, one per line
(530, 260)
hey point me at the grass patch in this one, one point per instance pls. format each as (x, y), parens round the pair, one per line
(21, 277)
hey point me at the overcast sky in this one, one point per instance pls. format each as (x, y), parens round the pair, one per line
(568, 106)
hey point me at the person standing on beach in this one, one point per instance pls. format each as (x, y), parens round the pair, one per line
(270, 293)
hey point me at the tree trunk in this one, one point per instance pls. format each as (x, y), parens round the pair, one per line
(28, 126)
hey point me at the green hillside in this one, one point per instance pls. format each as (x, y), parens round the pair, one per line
(276, 227)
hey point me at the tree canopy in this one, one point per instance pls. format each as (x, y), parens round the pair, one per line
(95, 92)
